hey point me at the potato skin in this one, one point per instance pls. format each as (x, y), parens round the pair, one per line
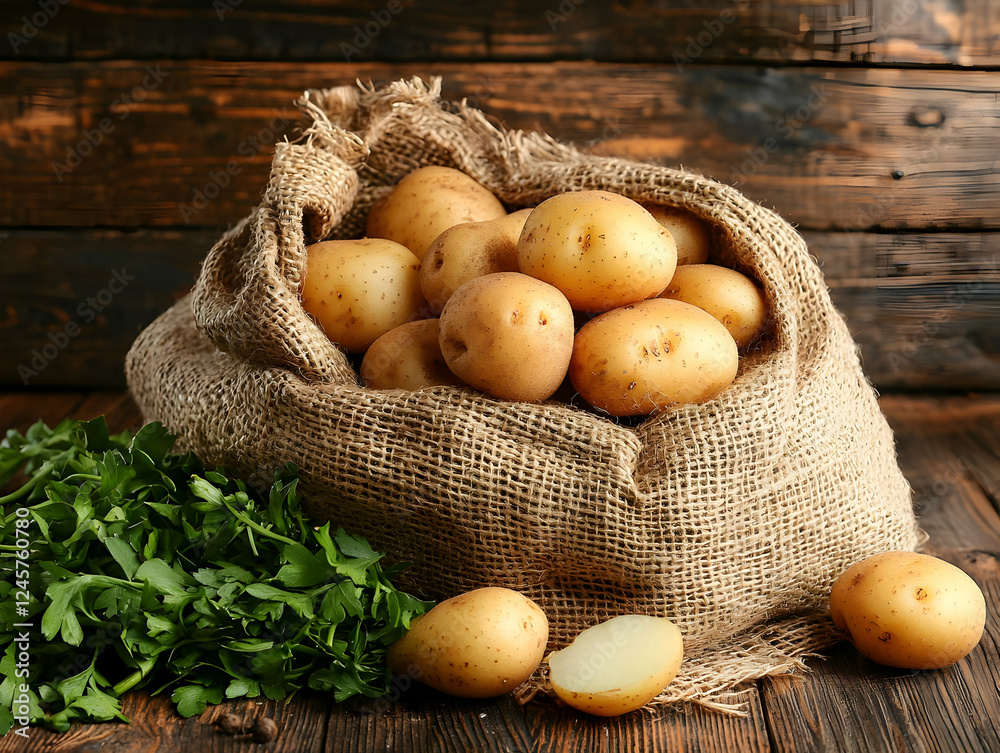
(407, 358)
(472, 249)
(639, 359)
(508, 335)
(908, 610)
(618, 665)
(479, 644)
(602, 250)
(690, 233)
(360, 289)
(729, 296)
(428, 201)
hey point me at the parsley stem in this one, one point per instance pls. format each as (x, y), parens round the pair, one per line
(40, 475)
(145, 667)
(256, 526)
(91, 476)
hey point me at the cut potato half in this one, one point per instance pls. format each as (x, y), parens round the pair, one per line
(617, 666)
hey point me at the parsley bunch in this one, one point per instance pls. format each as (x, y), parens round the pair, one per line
(147, 570)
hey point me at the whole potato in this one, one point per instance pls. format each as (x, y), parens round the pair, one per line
(508, 335)
(479, 644)
(908, 610)
(427, 202)
(469, 250)
(600, 249)
(639, 359)
(360, 289)
(618, 665)
(729, 296)
(689, 231)
(407, 358)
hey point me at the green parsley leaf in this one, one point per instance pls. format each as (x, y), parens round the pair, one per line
(173, 575)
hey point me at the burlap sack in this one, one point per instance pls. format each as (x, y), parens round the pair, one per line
(731, 518)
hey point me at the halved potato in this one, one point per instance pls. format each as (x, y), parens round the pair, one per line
(618, 665)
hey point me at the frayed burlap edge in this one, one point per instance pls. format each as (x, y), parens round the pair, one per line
(247, 379)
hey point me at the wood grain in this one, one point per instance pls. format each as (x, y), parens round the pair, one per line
(690, 729)
(850, 703)
(956, 505)
(943, 32)
(854, 704)
(843, 703)
(73, 302)
(424, 720)
(829, 148)
(923, 307)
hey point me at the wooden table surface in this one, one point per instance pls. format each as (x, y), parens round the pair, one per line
(135, 133)
(949, 449)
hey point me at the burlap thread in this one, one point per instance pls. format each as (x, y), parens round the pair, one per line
(731, 518)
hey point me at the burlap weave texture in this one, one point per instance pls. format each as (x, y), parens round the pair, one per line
(732, 518)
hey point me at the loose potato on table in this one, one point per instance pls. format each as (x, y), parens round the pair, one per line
(689, 232)
(508, 335)
(360, 289)
(729, 296)
(407, 357)
(617, 666)
(600, 249)
(479, 644)
(427, 202)
(469, 250)
(909, 610)
(640, 359)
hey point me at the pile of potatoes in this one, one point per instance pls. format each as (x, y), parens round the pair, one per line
(589, 293)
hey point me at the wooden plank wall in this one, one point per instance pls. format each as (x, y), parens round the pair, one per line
(130, 136)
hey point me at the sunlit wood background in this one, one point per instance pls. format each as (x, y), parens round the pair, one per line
(131, 134)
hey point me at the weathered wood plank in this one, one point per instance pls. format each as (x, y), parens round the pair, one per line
(424, 720)
(691, 729)
(19, 410)
(73, 302)
(850, 703)
(925, 308)
(155, 725)
(952, 505)
(946, 32)
(187, 143)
